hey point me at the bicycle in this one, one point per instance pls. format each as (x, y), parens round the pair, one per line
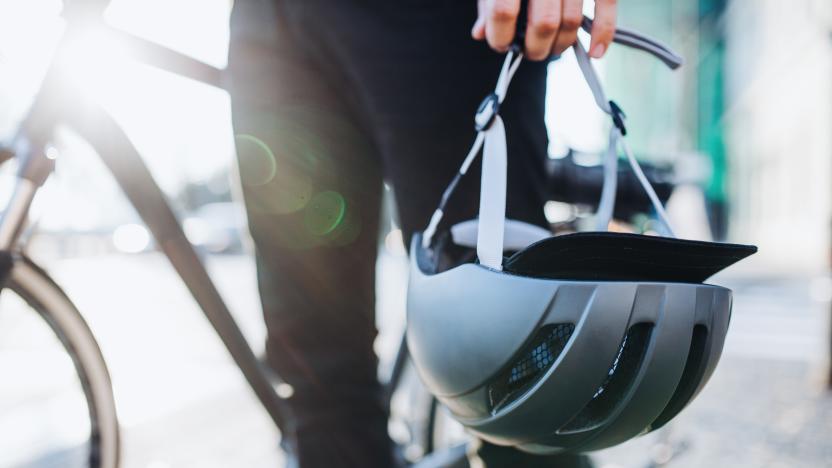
(35, 162)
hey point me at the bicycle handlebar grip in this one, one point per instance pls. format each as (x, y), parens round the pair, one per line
(641, 42)
(573, 183)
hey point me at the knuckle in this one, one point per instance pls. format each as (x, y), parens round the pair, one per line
(547, 25)
(503, 11)
(572, 21)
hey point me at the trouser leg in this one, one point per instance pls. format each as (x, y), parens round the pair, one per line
(417, 78)
(422, 78)
(312, 182)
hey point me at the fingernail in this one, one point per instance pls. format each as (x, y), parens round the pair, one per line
(598, 50)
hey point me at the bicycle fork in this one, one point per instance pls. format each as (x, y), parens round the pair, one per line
(34, 167)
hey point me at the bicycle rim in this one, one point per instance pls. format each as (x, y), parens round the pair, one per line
(52, 414)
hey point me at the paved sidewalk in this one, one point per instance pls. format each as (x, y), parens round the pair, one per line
(766, 405)
(183, 403)
(754, 413)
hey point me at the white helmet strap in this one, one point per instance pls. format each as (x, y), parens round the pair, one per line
(491, 138)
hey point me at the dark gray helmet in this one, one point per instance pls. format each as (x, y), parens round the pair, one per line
(575, 342)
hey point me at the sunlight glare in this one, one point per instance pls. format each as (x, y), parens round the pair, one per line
(29, 32)
(181, 127)
(131, 238)
(93, 63)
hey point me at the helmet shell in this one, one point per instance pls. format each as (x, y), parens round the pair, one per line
(548, 365)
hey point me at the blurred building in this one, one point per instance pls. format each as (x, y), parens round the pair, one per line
(779, 127)
(754, 100)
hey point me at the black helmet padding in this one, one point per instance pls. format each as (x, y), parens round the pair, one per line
(625, 257)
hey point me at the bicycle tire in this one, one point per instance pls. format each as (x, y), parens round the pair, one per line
(33, 285)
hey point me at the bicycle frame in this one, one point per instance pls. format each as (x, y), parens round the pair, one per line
(53, 105)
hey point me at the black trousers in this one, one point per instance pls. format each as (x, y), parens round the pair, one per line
(330, 99)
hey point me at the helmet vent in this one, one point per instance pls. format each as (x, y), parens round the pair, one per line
(618, 381)
(691, 376)
(531, 363)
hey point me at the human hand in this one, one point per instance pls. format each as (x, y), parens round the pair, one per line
(552, 25)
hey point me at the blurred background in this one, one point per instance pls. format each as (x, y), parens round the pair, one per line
(746, 124)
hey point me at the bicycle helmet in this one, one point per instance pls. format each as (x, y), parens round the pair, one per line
(574, 342)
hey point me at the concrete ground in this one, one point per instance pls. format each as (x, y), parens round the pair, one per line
(182, 403)
(766, 405)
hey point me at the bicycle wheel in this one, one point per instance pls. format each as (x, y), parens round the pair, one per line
(56, 399)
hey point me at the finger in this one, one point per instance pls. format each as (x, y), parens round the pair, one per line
(603, 27)
(501, 23)
(478, 30)
(569, 24)
(542, 28)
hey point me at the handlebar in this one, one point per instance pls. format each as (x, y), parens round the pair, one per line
(641, 42)
(573, 183)
(622, 36)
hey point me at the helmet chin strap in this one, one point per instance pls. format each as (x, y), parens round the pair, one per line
(616, 139)
(492, 219)
(488, 123)
(491, 138)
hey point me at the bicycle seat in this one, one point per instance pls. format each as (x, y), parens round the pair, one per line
(609, 256)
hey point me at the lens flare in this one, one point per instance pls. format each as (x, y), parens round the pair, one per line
(325, 212)
(258, 165)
